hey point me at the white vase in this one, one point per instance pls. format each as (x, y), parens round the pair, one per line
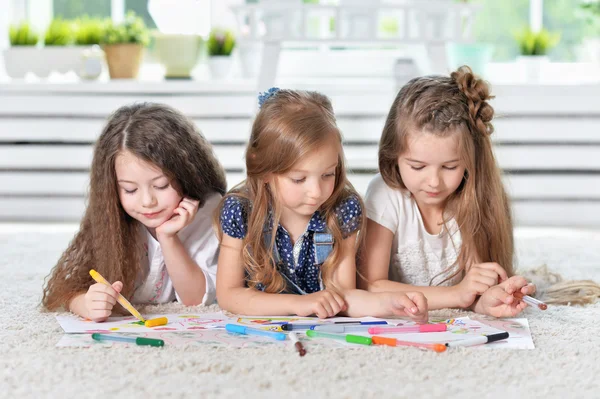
(532, 67)
(220, 66)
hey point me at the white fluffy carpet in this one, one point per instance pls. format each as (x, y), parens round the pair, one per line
(564, 364)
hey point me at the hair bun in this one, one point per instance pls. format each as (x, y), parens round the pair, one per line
(477, 92)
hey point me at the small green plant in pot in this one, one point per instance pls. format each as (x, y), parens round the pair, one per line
(220, 45)
(59, 33)
(22, 55)
(124, 45)
(22, 35)
(533, 50)
(89, 31)
(536, 43)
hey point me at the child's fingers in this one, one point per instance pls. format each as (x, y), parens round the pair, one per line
(528, 289)
(107, 289)
(100, 315)
(403, 302)
(190, 201)
(493, 266)
(490, 274)
(486, 280)
(515, 283)
(340, 301)
(118, 286)
(329, 308)
(103, 297)
(478, 287)
(502, 296)
(101, 305)
(320, 311)
(419, 300)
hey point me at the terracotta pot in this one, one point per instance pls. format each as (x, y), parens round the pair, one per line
(123, 60)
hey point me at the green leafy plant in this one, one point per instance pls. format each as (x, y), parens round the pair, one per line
(131, 30)
(89, 31)
(59, 33)
(220, 42)
(536, 43)
(22, 35)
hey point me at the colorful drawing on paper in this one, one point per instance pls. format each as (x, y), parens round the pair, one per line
(177, 322)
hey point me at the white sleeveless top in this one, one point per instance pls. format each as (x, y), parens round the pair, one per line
(416, 256)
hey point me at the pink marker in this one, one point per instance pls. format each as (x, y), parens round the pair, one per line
(409, 329)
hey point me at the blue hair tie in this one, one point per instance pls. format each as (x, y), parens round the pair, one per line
(264, 96)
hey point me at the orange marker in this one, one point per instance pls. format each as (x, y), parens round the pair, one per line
(159, 321)
(377, 340)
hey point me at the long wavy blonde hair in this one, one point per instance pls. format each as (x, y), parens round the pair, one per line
(108, 238)
(442, 105)
(290, 125)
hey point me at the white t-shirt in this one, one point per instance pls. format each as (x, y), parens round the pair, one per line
(200, 241)
(416, 256)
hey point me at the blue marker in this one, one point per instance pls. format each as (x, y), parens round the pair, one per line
(234, 328)
(306, 326)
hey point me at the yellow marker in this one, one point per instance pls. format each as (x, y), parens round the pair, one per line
(121, 299)
(160, 321)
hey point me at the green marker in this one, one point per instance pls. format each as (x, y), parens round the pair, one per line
(133, 340)
(353, 339)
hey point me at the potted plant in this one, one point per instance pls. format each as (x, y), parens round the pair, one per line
(22, 55)
(123, 45)
(533, 50)
(58, 53)
(220, 44)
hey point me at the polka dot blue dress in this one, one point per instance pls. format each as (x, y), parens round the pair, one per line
(297, 262)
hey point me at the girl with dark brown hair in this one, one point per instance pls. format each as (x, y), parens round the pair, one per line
(154, 185)
(439, 219)
(289, 231)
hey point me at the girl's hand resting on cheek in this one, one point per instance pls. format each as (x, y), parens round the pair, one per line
(100, 300)
(323, 304)
(499, 301)
(183, 215)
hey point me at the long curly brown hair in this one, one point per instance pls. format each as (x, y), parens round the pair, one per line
(289, 125)
(442, 105)
(108, 238)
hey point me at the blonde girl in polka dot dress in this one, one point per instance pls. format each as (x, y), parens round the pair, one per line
(289, 232)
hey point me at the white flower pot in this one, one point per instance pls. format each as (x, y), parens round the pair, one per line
(220, 66)
(532, 67)
(19, 60)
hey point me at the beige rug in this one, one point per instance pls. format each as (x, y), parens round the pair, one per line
(565, 362)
